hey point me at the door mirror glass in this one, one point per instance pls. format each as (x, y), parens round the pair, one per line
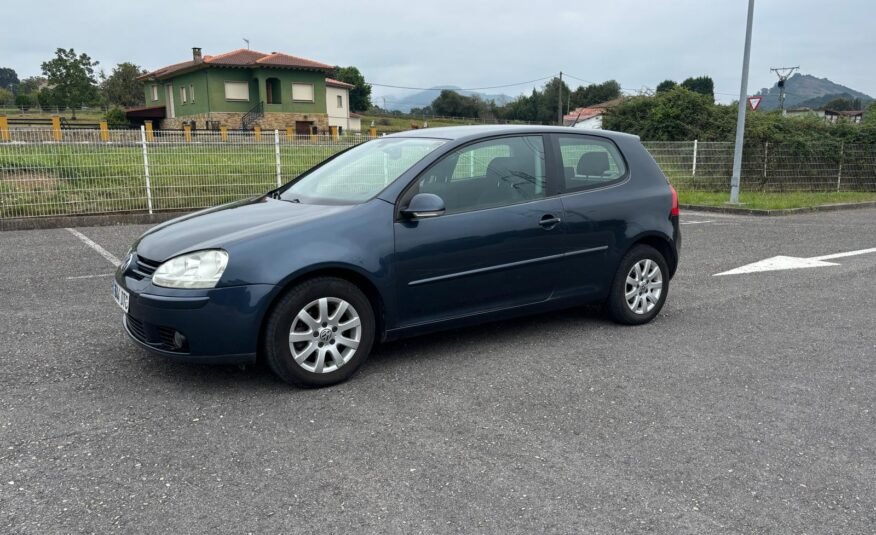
(424, 205)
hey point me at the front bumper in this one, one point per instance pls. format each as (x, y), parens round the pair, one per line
(211, 326)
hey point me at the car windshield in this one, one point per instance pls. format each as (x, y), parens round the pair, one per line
(361, 172)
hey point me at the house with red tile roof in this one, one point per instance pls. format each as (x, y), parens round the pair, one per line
(591, 117)
(245, 88)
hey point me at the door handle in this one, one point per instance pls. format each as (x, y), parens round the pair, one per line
(549, 221)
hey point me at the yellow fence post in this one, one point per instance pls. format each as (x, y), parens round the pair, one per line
(223, 133)
(334, 132)
(289, 132)
(187, 131)
(104, 131)
(4, 128)
(257, 130)
(372, 132)
(148, 130)
(56, 127)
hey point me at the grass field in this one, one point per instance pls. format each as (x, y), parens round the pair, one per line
(59, 180)
(398, 124)
(775, 201)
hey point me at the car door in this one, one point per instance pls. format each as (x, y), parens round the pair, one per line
(596, 211)
(496, 246)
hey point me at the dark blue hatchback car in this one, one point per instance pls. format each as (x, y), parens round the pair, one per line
(406, 234)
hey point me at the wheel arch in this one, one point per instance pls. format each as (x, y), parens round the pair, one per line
(346, 273)
(663, 245)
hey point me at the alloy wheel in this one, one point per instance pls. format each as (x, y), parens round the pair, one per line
(643, 287)
(325, 334)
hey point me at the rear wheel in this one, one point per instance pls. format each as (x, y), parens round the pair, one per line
(319, 333)
(640, 286)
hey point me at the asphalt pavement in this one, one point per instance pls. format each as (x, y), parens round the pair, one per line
(747, 406)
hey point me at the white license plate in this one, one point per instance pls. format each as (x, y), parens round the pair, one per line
(121, 297)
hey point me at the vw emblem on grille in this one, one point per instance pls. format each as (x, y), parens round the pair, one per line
(325, 334)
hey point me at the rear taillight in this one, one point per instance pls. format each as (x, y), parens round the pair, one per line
(674, 210)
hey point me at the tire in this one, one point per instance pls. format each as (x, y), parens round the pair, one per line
(649, 302)
(324, 349)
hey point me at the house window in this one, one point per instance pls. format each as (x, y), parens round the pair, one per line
(340, 101)
(154, 89)
(302, 92)
(182, 94)
(191, 93)
(237, 91)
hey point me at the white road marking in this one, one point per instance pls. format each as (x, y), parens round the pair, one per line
(100, 250)
(842, 255)
(90, 276)
(778, 263)
(696, 222)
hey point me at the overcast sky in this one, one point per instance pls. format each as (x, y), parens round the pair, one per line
(471, 43)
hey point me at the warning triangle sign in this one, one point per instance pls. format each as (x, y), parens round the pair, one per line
(754, 102)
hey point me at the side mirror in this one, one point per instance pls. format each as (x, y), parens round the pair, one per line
(424, 205)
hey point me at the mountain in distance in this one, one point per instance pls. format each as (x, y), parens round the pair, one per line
(803, 90)
(425, 98)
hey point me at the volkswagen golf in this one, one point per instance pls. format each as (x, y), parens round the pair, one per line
(402, 235)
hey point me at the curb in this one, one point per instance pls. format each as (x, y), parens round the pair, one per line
(41, 223)
(786, 211)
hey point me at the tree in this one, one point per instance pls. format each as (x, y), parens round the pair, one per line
(674, 115)
(6, 96)
(121, 87)
(843, 104)
(870, 115)
(8, 79)
(32, 85)
(547, 106)
(701, 84)
(360, 94)
(71, 79)
(666, 85)
(595, 94)
(453, 104)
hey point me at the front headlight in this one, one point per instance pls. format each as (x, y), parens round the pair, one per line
(201, 269)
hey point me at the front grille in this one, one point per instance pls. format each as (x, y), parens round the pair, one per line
(143, 268)
(157, 336)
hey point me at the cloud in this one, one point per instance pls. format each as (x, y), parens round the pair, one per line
(470, 43)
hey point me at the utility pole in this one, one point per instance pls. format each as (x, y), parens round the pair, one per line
(783, 73)
(740, 116)
(560, 100)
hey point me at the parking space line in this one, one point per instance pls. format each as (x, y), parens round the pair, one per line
(100, 250)
(90, 276)
(696, 222)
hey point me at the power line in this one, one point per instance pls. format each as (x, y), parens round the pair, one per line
(462, 88)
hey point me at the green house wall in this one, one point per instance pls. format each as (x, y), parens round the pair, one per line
(209, 91)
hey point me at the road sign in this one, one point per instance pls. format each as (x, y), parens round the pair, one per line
(778, 263)
(754, 102)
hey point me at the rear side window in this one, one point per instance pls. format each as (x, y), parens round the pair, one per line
(590, 163)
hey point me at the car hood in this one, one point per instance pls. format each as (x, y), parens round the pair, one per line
(219, 227)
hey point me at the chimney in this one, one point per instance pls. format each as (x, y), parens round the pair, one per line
(196, 55)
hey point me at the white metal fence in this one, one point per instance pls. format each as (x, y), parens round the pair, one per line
(75, 172)
(775, 167)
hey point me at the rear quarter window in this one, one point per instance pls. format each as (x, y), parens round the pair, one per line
(590, 162)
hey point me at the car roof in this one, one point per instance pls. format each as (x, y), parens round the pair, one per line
(475, 131)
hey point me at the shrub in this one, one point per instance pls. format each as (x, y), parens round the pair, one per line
(115, 118)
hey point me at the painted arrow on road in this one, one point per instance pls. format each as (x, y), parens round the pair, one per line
(778, 263)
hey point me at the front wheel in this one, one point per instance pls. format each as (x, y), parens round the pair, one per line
(319, 333)
(639, 289)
